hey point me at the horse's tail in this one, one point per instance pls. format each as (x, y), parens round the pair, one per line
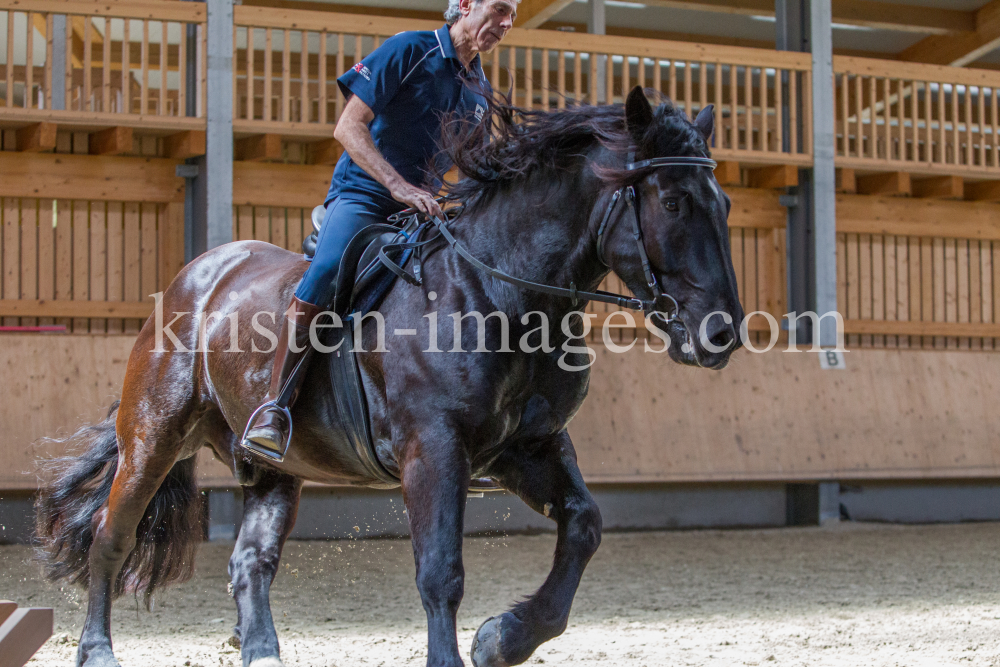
(75, 488)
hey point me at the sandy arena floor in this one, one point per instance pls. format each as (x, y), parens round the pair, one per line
(852, 595)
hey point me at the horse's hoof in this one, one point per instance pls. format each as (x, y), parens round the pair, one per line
(486, 644)
(272, 661)
(96, 657)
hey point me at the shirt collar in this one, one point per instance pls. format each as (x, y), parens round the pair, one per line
(444, 39)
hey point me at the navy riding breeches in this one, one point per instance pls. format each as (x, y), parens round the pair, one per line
(344, 218)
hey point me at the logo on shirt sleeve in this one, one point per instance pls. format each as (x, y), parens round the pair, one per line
(480, 110)
(363, 71)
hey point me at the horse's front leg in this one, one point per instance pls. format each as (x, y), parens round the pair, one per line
(549, 481)
(269, 510)
(435, 481)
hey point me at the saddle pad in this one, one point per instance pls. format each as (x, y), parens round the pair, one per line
(351, 405)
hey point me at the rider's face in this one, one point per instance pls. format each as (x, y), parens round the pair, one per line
(488, 21)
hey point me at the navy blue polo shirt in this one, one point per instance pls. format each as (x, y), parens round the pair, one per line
(409, 82)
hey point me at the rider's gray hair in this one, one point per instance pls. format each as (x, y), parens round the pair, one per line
(453, 13)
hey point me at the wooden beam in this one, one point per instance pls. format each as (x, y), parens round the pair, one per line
(778, 176)
(23, 633)
(910, 328)
(960, 49)
(896, 183)
(728, 173)
(880, 15)
(37, 138)
(349, 9)
(533, 13)
(324, 152)
(906, 216)
(105, 178)
(288, 185)
(846, 181)
(183, 145)
(64, 308)
(258, 148)
(112, 141)
(939, 187)
(983, 191)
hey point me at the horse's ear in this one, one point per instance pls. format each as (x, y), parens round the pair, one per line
(705, 122)
(638, 113)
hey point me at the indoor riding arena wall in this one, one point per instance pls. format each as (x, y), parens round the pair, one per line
(914, 405)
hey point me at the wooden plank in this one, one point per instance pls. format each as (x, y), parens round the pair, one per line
(9, 260)
(10, 61)
(940, 287)
(258, 148)
(324, 152)
(29, 253)
(23, 633)
(170, 243)
(90, 177)
(982, 191)
(244, 223)
(864, 289)
(261, 224)
(184, 145)
(98, 274)
(148, 249)
(286, 77)
(775, 177)
(162, 100)
(137, 9)
(144, 71)
(728, 173)
(132, 260)
(936, 329)
(288, 185)
(939, 187)
(81, 260)
(846, 182)
(46, 251)
(116, 258)
(894, 183)
(88, 65)
(917, 217)
(268, 74)
(75, 309)
(64, 254)
(29, 63)
(112, 141)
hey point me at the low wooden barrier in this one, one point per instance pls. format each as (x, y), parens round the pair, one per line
(22, 632)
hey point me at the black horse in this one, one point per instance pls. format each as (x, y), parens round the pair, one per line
(123, 515)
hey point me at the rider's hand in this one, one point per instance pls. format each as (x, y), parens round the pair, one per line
(419, 199)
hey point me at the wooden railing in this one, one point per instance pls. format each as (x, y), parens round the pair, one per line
(282, 86)
(921, 119)
(121, 58)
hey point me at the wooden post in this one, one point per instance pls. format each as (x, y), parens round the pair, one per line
(37, 138)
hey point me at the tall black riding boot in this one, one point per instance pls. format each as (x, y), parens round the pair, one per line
(268, 435)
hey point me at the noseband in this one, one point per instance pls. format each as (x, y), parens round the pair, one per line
(620, 300)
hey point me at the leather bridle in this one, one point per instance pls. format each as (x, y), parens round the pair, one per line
(575, 295)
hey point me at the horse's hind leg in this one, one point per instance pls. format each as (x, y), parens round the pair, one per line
(549, 481)
(148, 447)
(269, 509)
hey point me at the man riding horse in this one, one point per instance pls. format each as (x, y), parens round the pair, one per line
(390, 128)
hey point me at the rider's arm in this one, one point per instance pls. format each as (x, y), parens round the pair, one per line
(353, 134)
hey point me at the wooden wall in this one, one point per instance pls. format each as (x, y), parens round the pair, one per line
(893, 414)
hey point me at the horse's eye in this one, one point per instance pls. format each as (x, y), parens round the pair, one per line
(671, 204)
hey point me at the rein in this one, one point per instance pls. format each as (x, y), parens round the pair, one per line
(572, 293)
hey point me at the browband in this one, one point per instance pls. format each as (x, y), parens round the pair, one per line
(673, 162)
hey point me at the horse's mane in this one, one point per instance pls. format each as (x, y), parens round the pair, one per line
(512, 143)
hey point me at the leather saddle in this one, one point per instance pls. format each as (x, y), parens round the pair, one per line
(363, 280)
(362, 283)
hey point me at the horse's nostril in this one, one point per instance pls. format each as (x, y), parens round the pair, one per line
(722, 339)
